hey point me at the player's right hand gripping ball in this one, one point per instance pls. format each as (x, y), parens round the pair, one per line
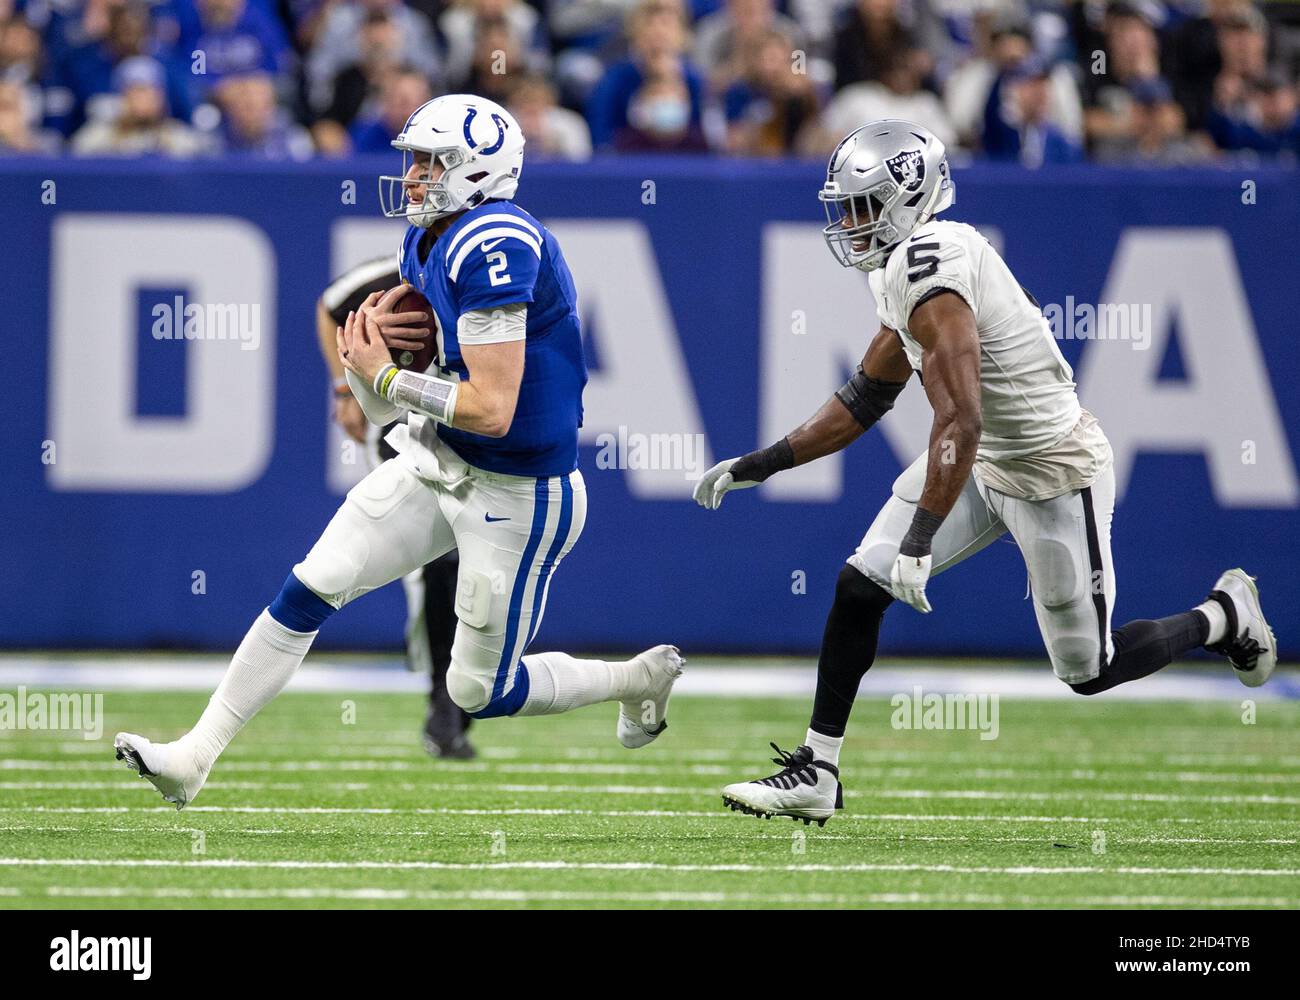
(417, 361)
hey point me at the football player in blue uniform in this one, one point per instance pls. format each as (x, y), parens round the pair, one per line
(486, 463)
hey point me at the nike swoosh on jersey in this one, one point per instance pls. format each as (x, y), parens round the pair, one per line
(489, 518)
(488, 246)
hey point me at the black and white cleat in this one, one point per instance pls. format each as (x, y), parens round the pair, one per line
(804, 789)
(1250, 645)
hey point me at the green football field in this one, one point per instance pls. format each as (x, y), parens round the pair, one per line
(1083, 803)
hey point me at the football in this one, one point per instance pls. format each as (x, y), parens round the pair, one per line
(420, 360)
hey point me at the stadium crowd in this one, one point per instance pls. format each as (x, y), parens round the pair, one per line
(1037, 82)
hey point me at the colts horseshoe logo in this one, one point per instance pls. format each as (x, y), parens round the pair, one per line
(501, 132)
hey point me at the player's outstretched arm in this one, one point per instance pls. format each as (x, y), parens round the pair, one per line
(945, 327)
(842, 419)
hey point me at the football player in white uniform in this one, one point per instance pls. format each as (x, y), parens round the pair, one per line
(487, 459)
(1011, 450)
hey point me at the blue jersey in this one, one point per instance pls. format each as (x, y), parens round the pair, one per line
(496, 255)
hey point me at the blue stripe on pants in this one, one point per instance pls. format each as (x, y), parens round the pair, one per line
(548, 564)
(541, 499)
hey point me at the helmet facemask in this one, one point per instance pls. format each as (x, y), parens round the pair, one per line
(438, 201)
(862, 219)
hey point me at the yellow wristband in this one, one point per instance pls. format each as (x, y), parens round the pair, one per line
(386, 380)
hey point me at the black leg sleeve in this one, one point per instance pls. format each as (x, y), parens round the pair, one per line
(440, 625)
(1142, 647)
(848, 649)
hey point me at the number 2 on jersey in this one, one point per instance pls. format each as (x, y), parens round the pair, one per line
(497, 268)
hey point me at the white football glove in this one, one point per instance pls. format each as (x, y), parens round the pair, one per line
(717, 483)
(909, 577)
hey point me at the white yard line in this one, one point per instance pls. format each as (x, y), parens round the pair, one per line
(427, 766)
(510, 788)
(373, 893)
(265, 831)
(616, 866)
(616, 813)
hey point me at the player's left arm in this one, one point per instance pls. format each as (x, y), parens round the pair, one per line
(492, 347)
(944, 326)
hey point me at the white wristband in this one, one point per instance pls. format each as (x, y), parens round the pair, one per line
(427, 394)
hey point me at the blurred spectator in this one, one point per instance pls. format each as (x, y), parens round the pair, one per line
(1001, 45)
(897, 94)
(17, 134)
(551, 132)
(21, 50)
(1193, 60)
(460, 30)
(1131, 53)
(497, 63)
(338, 44)
(1243, 51)
(232, 38)
(725, 41)
(140, 124)
(1157, 131)
(360, 82)
(868, 40)
(87, 70)
(1270, 123)
(22, 62)
(1018, 123)
(769, 107)
(253, 124)
(657, 35)
(403, 91)
(659, 113)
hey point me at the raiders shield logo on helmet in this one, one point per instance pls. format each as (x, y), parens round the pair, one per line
(908, 168)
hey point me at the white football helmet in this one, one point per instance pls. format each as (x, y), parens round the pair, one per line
(480, 147)
(884, 181)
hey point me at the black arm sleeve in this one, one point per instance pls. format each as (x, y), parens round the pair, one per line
(867, 398)
(349, 290)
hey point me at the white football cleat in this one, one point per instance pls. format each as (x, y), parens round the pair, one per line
(169, 767)
(804, 789)
(642, 719)
(1249, 644)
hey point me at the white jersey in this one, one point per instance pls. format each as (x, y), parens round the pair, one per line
(1027, 398)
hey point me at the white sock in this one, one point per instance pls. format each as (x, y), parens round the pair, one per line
(559, 682)
(825, 748)
(1218, 619)
(261, 667)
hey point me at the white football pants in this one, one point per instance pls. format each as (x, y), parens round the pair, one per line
(512, 533)
(1065, 543)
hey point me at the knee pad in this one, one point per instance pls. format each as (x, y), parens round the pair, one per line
(1075, 659)
(474, 597)
(856, 593)
(334, 564)
(471, 691)
(1056, 578)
